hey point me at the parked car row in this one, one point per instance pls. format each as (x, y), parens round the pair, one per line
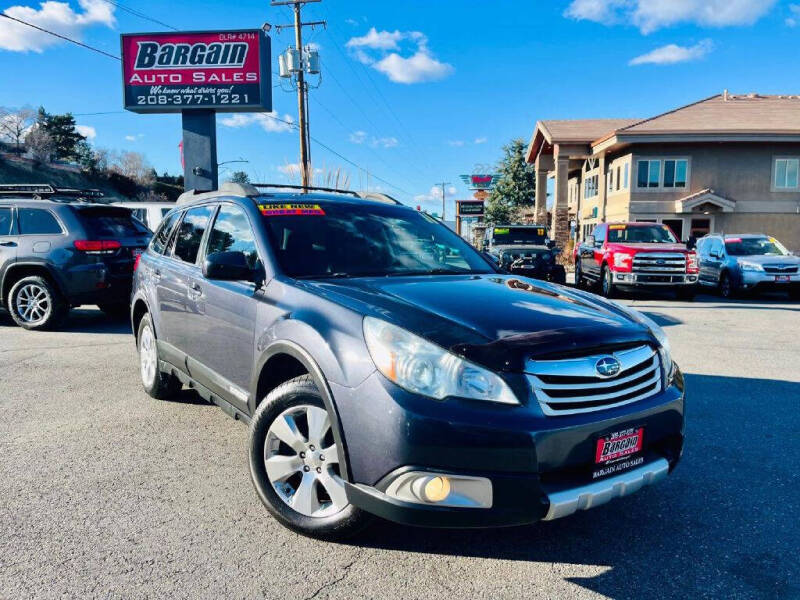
(630, 256)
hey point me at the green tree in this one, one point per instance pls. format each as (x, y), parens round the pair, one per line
(516, 187)
(61, 129)
(239, 177)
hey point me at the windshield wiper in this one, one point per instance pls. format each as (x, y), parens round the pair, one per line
(428, 272)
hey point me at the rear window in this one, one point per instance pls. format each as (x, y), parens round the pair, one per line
(102, 223)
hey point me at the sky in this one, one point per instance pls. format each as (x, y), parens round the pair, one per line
(412, 93)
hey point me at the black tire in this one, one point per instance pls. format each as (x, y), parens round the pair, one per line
(559, 275)
(50, 303)
(607, 287)
(725, 286)
(298, 392)
(160, 386)
(117, 310)
(686, 293)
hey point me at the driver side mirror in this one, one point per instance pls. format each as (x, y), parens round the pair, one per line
(589, 241)
(227, 266)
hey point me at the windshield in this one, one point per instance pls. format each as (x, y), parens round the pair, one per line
(325, 240)
(641, 234)
(536, 236)
(754, 247)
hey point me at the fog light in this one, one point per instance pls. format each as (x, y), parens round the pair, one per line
(437, 489)
(423, 487)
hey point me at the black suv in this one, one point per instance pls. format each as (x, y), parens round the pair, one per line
(525, 250)
(387, 368)
(58, 251)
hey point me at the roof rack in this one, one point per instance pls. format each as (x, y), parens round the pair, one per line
(39, 191)
(304, 188)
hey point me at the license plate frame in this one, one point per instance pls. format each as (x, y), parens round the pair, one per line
(618, 444)
(782, 279)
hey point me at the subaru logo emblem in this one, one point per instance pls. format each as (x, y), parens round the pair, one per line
(660, 261)
(608, 366)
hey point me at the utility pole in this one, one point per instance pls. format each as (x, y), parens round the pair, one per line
(444, 183)
(302, 86)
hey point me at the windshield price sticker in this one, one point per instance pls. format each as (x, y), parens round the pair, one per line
(290, 210)
(501, 230)
(616, 227)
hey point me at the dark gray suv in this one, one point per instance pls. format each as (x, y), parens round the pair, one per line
(57, 252)
(387, 368)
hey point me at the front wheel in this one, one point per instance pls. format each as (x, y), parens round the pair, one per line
(296, 465)
(607, 283)
(725, 286)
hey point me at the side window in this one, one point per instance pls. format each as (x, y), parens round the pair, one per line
(232, 233)
(599, 235)
(6, 224)
(190, 233)
(36, 221)
(161, 237)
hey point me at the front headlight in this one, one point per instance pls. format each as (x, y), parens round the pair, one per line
(750, 266)
(424, 368)
(664, 348)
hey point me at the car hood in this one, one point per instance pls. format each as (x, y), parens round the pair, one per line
(769, 259)
(647, 247)
(496, 320)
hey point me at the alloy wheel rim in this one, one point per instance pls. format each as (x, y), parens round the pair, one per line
(148, 358)
(302, 462)
(726, 287)
(33, 303)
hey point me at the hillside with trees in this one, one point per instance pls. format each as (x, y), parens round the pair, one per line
(40, 147)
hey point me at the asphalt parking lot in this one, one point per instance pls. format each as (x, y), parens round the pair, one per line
(108, 493)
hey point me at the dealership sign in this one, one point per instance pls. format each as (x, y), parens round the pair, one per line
(469, 208)
(224, 71)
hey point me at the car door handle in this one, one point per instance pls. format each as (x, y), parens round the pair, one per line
(9, 244)
(195, 291)
(156, 275)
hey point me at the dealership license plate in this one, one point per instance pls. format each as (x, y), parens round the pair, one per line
(615, 452)
(782, 279)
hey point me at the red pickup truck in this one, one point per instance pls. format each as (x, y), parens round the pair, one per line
(636, 255)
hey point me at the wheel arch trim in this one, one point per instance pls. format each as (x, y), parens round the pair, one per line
(299, 353)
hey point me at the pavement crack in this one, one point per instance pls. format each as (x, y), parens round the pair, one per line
(330, 584)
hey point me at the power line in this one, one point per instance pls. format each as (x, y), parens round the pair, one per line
(63, 37)
(139, 14)
(344, 158)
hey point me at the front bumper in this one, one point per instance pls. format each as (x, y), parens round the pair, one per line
(539, 467)
(650, 279)
(760, 280)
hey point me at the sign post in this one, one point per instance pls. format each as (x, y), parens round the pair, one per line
(198, 74)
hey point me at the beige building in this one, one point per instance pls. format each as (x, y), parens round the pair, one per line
(729, 163)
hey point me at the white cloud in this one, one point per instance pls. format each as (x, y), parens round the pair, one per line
(267, 121)
(481, 140)
(794, 18)
(435, 195)
(672, 53)
(293, 169)
(455, 143)
(650, 15)
(134, 138)
(358, 137)
(58, 17)
(86, 131)
(377, 40)
(403, 56)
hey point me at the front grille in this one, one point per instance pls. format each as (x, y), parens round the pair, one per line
(781, 269)
(566, 387)
(659, 262)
